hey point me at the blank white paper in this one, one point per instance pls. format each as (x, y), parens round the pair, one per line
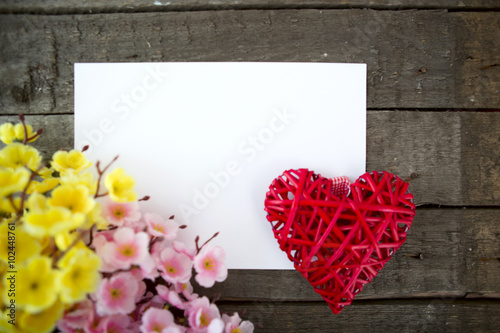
(205, 140)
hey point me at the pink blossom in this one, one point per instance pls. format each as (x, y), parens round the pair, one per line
(141, 290)
(171, 297)
(153, 301)
(175, 267)
(119, 213)
(76, 317)
(158, 227)
(216, 326)
(115, 324)
(234, 324)
(181, 248)
(127, 248)
(201, 313)
(186, 289)
(117, 294)
(92, 324)
(157, 320)
(98, 244)
(158, 246)
(148, 268)
(209, 264)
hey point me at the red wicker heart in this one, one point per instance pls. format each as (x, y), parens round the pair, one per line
(339, 236)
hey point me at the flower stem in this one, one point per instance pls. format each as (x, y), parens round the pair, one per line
(101, 172)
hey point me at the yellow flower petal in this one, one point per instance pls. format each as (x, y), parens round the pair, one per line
(46, 172)
(97, 218)
(52, 221)
(80, 274)
(42, 322)
(7, 133)
(8, 206)
(13, 180)
(120, 186)
(17, 155)
(77, 199)
(43, 186)
(36, 285)
(83, 178)
(17, 240)
(73, 161)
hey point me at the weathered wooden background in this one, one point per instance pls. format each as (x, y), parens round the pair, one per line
(433, 100)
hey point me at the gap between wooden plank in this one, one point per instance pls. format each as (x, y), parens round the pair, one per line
(71, 7)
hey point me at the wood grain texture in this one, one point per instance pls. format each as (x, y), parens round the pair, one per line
(416, 59)
(459, 248)
(110, 6)
(429, 315)
(455, 163)
(448, 253)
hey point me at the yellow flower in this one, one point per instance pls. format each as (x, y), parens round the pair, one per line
(77, 199)
(79, 274)
(64, 239)
(42, 322)
(120, 186)
(7, 134)
(37, 203)
(10, 133)
(17, 155)
(6, 206)
(43, 186)
(52, 221)
(9, 320)
(36, 285)
(97, 218)
(13, 180)
(73, 161)
(46, 172)
(21, 243)
(84, 178)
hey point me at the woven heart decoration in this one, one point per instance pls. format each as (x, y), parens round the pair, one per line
(339, 235)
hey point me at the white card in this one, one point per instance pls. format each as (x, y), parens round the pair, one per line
(205, 140)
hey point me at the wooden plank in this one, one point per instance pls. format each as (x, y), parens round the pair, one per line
(448, 253)
(416, 59)
(109, 6)
(421, 147)
(481, 158)
(479, 74)
(429, 315)
(449, 158)
(483, 243)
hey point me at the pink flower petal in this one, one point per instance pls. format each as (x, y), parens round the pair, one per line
(117, 294)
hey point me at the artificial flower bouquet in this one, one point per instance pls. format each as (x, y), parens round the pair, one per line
(77, 253)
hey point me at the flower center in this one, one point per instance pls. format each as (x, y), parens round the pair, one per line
(170, 269)
(115, 293)
(119, 212)
(76, 274)
(236, 330)
(204, 320)
(34, 286)
(209, 263)
(157, 327)
(127, 250)
(159, 228)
